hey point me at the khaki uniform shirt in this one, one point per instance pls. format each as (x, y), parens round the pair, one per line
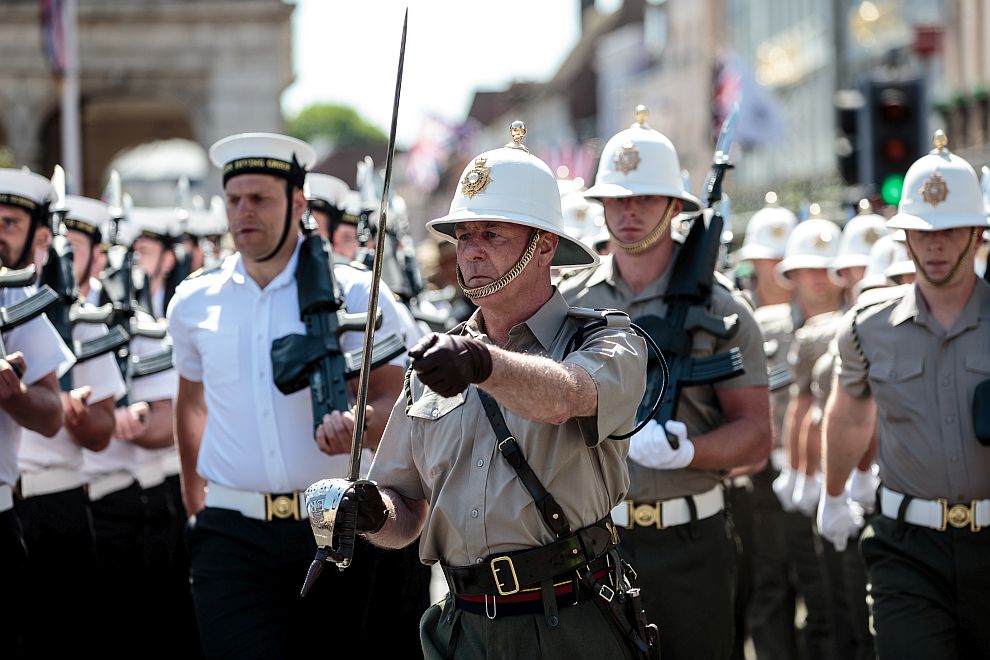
(777, 323)
(810, 345)
(443, 449)
(922, 378)
(697, 407)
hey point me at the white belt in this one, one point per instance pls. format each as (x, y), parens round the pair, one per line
(48, 480)
(149, 474)
(6, 498)
(105, 484)
(260, 506)
(667, 513)
(936, 514)
(170, 464)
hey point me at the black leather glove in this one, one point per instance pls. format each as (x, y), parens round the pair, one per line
(372, 513)
(448, 363)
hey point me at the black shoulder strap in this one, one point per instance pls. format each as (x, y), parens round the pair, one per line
(553, 514)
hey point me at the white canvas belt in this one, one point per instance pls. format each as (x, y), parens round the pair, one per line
(668, 513)
(6, 498)
(48, 480)
(170, 464)
(105, 484)
(149, 474)
(936, 514)
(260, 506)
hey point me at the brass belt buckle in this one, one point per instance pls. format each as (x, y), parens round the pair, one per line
(958, 515)
(282, 507)
(502, 591)
(645, 515)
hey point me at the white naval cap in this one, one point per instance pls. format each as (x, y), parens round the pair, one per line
(86, 215)
(204, 222)
(323, 190)
(156, 223)
(25, 189)
(263, 153)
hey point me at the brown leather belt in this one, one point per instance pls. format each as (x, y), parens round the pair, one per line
(509, 574)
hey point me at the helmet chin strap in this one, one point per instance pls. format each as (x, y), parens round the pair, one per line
(650, 239)
(964, 258)
(500, 283)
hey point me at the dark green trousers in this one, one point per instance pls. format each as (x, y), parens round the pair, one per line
(929, 591)
(687, 574)
(584, 632)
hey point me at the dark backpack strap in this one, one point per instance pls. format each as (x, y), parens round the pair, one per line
(553, 514)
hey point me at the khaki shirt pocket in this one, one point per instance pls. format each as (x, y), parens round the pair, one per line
(899, 388)
(438, 422)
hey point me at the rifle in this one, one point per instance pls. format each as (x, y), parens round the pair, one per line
(23, 310)
(58, 271)
(315, 358)
(687, 300)
(332, 504)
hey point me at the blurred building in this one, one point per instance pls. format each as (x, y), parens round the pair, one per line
(150, 70)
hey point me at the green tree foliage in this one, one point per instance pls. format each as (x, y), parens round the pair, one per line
(339, 124)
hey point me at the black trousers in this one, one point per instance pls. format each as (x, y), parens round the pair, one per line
(246, 577)
(687, 576)
(930, 590)
(739, 502)
(60, 567)
(119, 521)
(786, 569)
(13, 560)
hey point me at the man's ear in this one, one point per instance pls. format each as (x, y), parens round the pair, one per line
(546, 247)
(298, 204)
(42, 237)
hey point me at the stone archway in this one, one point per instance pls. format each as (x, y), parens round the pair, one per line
(110, 126)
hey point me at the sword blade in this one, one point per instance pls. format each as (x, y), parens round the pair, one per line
(354, 469)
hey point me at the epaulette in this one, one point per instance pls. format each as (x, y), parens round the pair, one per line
(877, 297)
(613, 318)
(199, 272)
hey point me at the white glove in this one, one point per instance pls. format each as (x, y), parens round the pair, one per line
(807, 490)
(837, 520)
(862, 489)
(650, 447)
(783, 487)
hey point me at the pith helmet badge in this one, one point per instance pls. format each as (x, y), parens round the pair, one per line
(935, 191)
(477, 178)
(627, 158)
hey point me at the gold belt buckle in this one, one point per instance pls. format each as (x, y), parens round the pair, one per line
(958, 515)
(502, 591)
(646, 515)
(282, 507)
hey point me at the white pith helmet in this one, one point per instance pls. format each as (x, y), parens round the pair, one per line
(583, 217)
(812, 244)
(888, 259)
(767, 232)
(858, 237)
(509, 184)
(640, 161)
(941, 191)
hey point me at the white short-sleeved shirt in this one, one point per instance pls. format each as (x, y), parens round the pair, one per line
(44, 352)
(103, 377)
(222, 327)
(153, 464)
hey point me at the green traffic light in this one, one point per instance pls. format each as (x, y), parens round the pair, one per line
(890, 188)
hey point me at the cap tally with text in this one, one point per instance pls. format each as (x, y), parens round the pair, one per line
(24, 189)
(263, 153)
(86, 215)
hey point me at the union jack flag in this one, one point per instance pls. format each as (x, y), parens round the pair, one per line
(53, 34)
